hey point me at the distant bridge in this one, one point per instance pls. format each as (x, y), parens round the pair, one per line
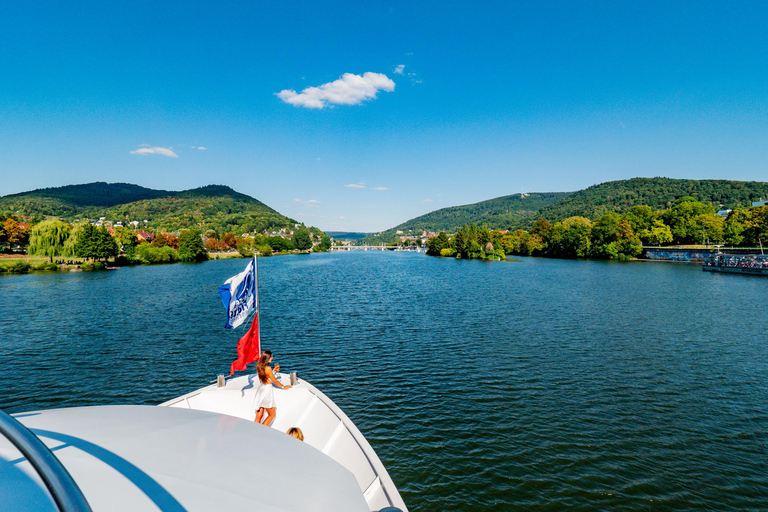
(410, 248)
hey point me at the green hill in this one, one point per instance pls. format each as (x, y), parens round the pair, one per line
(213, 207)
(507, 212)
(516, 211)
(658, 193)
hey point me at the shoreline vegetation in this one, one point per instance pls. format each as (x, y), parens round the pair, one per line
(611, 236)
(52, 245)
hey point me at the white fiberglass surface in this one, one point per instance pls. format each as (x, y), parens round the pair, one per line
(142, 458)
(322, 423)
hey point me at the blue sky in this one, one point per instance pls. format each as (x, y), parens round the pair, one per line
(424, 104)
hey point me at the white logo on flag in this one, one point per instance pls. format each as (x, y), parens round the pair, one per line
(240, 295)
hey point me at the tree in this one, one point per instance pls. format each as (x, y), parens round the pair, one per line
(14, 233)
(230, 240)
(49, 238)
(126, 241)
(640, 218)
(278, 243)
(658, 234)
(191, 247)
(160, 240)
(95, 243)
(680, 219)
(325, 242)
(436, 244)
(302, 239)
(613, 238)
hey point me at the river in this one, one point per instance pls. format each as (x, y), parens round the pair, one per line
(533, 384)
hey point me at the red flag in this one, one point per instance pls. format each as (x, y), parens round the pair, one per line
(248, 348)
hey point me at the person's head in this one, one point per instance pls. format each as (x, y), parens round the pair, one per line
(296, 432)
(261, 366)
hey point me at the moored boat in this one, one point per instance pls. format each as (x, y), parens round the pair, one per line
(752, 264)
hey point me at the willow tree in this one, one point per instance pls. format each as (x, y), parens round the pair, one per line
(49, 238)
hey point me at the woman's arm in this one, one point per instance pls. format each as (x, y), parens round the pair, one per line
(271, 378)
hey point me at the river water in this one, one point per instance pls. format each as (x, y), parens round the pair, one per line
(533, 384)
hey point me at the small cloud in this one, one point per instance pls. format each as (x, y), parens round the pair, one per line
(155, 151)
(341, 217)
(312, 203)
(379, 188)
(200, 148)
(399, 69)
(356, 185)
(350, 89)
(427, 200)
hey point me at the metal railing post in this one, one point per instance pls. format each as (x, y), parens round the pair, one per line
(64, 491)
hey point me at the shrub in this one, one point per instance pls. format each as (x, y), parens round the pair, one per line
(47, 266)
(265, 250)
(149, 254)
(447, 252)
(18, 267)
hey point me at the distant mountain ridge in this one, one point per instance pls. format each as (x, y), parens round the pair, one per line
(658, 193)
(215, 207)
(519, 211)
(506, 212)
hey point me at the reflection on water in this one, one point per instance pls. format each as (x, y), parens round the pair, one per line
(534, 385)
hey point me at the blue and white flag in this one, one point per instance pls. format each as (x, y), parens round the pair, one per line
(240, 295)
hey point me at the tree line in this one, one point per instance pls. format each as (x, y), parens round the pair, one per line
(611, 235)
(59, 240)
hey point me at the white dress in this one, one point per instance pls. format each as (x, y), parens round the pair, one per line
(265, 396)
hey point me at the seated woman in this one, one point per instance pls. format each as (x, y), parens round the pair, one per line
(265, 396)
(296, 432)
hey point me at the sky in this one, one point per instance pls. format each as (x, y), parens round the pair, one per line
(357, 116)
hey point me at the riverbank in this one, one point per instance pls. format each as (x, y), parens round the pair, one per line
(25, 264)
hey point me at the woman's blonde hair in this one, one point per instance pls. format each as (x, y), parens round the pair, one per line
(296, 432)
(261, 366)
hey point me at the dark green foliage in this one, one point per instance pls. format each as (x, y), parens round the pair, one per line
(436, 244)
(302, 239)
(245, 248)
(657, 193)
(95, 243)
(280, 244)
(213, 207)
(47, 266)
(517, 212)
(507, 212)
(17, 267)
(191, 247)
(145, 253)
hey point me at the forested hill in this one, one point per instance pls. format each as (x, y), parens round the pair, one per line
(507, 212)
(212, 207)
(658, 193)
(518, 212)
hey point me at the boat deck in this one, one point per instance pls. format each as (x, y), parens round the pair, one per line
(324, 425)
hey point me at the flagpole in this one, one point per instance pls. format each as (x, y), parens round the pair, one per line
(256, 298)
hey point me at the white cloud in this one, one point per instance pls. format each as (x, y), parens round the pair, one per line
(399, 69)
(155, 151)
(201, 148)
(342, 217)
(312, 203)
(356, 185)
(379, 188)
(350, 89)
(427, 201)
